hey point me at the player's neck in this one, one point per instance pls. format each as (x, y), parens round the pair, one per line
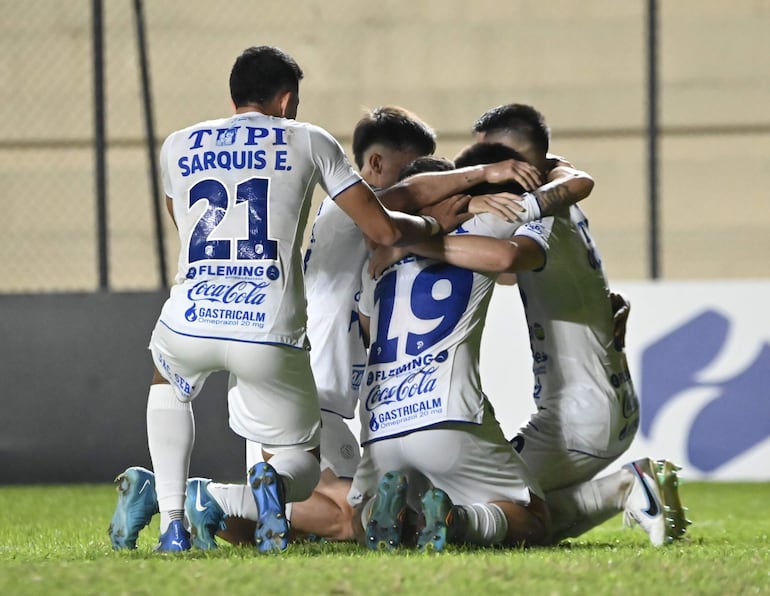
(267, 110)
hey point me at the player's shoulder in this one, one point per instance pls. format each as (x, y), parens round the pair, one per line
(314, 131)
(317, 134)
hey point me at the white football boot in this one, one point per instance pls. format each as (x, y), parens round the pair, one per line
(653, 501)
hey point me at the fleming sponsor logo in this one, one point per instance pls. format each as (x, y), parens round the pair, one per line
(413, 364)
(234, 271)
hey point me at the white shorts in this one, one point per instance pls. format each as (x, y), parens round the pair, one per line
(473, 463)
(339, 448)
(277, 402)
(542, 445)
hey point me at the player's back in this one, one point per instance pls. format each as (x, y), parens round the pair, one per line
(427, 319)
(241, 189)
(333, 262)
(568, 311)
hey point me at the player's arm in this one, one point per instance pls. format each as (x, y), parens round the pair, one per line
(484, 253)
(553, 161)
(479, 253)
(566, 186)
(422, 190)
(393, 228)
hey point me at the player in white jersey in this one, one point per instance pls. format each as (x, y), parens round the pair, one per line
(379, 153)
(587, 408)
(239, 190)
(385, 140)
(430, 439)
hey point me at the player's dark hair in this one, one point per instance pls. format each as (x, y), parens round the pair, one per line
(426, 163)
(483, 153)
(260, 73)
(518, 119)
(395, 128)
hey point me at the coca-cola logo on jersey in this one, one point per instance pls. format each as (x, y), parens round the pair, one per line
(414, 385)
(242, 292)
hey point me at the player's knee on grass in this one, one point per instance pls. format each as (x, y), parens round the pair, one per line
(527, 526)
(327, 512)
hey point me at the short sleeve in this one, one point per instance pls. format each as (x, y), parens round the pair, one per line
(337, 174)
(540, 231)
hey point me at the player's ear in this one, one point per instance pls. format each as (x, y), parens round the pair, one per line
(283, 102)
(287, 103)
(375, 162)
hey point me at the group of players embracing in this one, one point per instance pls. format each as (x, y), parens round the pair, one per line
(383, 318)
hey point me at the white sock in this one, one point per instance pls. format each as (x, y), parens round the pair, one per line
(235, 500)
(300, 471)
(577, 509)
(487, 524)
(170, 437)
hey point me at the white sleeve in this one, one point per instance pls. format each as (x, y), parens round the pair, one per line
(487, 224)
(336, 172)
(539, 230)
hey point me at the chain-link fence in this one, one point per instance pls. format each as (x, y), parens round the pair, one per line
(583, 64)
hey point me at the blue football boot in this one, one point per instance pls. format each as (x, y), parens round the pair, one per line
(272, 532)
(203, 513)
(174, 539)
(137, 503)
(386, 520)
(438, 515)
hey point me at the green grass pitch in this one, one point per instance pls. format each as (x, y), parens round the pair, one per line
(53, 540)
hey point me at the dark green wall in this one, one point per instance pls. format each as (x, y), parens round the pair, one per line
(74, 373)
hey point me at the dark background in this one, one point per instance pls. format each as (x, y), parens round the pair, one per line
(74, 375)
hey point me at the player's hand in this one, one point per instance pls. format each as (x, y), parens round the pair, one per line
(513, 170)
(383, 257)
(450, 213)
(621, 308)
(504, 205)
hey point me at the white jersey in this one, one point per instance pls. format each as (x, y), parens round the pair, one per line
(580, 378)
(426, 321)
(241, 190)
(333, 263)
